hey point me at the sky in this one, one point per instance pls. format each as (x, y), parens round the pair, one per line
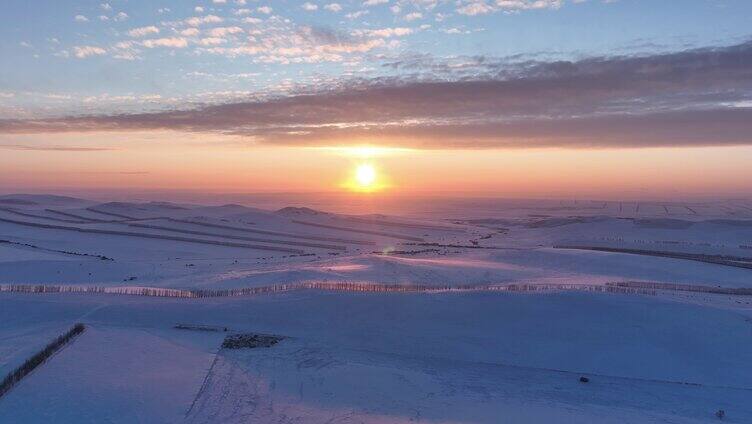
(520, 98)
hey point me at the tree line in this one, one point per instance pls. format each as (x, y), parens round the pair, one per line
(15, 376)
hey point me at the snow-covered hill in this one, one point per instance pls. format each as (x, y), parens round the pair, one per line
(475, 354)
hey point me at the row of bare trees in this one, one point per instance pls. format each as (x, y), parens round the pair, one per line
(325, 285)
(38, 358)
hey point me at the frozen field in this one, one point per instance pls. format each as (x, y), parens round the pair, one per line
(449, 339)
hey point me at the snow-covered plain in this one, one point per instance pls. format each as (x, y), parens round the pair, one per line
(470, 355)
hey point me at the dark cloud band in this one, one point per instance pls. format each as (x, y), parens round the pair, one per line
(693, 97)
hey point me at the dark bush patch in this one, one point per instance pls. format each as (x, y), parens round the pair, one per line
(250, 341)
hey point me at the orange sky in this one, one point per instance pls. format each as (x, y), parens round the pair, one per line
(177, 161)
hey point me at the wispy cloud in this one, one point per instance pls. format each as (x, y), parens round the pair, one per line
(82, 52)
(143, 31)
(482, 7)
(202, 20)
(170, 42)
(52, 148)
(281, 42)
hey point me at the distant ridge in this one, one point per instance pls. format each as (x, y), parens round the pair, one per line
(36, 199)
(293, 210)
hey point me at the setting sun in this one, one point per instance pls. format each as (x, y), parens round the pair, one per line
(365, 175)
(365, 178)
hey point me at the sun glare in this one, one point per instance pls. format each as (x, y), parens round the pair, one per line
(365, 178)
(365, 175)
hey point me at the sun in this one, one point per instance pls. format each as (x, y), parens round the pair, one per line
(365, 178)
(365, 175)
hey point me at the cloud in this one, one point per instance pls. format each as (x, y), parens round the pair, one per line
(201, 20)
(80, 18)
(211, 41)
(190, 32)
(356, 15)
(333, 7)
(309, 6)
(52, 148)
(482, 7)
(686, 98)
(224, 31)
(713, 127)
(125, 50)
(171, 42)
(528, 4)
(385, 32)
(82, 52)
(279, 42)
(475, 8)
(143, 31)
(413, 16)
